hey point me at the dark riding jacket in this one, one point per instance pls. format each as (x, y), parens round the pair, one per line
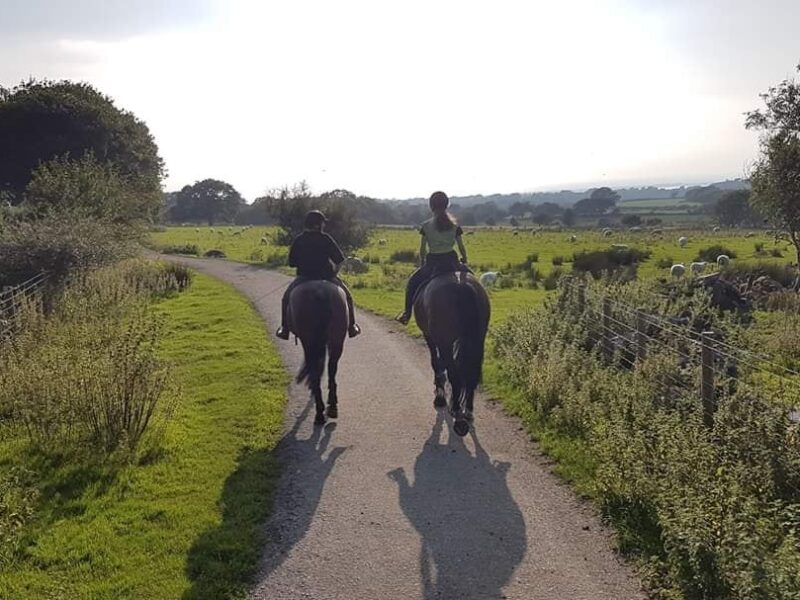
(315, 254)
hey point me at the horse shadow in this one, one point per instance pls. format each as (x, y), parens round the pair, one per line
(473, 533)
(224, 559)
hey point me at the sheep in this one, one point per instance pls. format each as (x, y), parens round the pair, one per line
(677, 271)
(723, 260)
(715, 229)
(698, 267)
(264, 241)
(607, 232)
(573, 238)
(749, 234)
(353, 264)
(381, 242)
(489, 278)
(237, 233)
(636, 229)
(197, 230)
(682, 241)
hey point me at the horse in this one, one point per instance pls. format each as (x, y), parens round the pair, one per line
(318, 316)
(452, 311)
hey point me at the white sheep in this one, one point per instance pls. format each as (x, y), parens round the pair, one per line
(715, 229)
(723, 260)
(749, 234)
(698, 267)
(607, 232)
(197, 230)
(489, 278)
(677, 271)
(682, 241)
(573, 238)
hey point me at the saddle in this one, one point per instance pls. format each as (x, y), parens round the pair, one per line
(436, 271)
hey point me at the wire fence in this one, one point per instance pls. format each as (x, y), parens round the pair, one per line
(625, 335)
(12, 299)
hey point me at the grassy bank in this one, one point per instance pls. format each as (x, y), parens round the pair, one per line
(182, 520)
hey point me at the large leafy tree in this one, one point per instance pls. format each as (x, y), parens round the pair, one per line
(775, 177)
(599, 202)
(209, 200)
(43, 120)
(733, 209)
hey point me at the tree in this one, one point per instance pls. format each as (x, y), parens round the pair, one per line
(599, 202)
(775, 177)
(542, 218)
(87, 188)
(733, 209)
(519, 209)
(568, 218)
(631, 220)
(40, 121)
(209, 200)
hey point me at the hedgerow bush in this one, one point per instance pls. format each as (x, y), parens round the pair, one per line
(710, 512)
(606, 262)
(88, 373)
(18, 497)
(711, 253)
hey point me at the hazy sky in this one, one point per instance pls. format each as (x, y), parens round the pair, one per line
(398, 99)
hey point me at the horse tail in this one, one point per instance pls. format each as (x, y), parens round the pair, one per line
(315, 349)
(469, 345)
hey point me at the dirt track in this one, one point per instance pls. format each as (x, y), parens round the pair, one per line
(387, 503)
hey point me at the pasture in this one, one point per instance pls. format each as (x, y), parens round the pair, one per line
(380, 288)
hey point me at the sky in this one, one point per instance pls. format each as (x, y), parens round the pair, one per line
(397, 99)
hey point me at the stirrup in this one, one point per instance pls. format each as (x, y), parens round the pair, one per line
(283, 332)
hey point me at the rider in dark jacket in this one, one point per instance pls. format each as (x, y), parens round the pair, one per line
(315, 255)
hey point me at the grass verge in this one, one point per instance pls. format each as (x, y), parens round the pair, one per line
(183, 520)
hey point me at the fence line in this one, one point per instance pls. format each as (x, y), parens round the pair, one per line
(12, 296)
(704, 350)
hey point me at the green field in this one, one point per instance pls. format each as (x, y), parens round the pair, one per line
(489, 249)
(186, 520)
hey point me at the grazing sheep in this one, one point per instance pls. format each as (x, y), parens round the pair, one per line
(573, 238)
(489, 278)
(723, 260)
(353, 264)
(264, 241)
(698, 267)
(635, 229)
(677, 271)
(657, 232)
(237, 233)
(682, 241)
(716, 229)
(607, 232)
(749, 234)
(381, 242)
(211, 230)
(197, 230)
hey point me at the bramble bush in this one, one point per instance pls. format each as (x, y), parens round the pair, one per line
(709, 512)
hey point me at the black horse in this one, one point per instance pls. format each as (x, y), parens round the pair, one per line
(453, 313)
(318, 315)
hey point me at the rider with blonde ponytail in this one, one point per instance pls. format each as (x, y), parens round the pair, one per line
(440, 234)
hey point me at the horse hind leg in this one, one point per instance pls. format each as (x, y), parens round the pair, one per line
(333, 367)
(460, 423)
(439, 377)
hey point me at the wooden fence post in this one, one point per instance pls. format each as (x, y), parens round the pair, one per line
(608, 348)
(641, 335)
(707, 378)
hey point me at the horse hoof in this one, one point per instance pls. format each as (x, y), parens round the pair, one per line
(319, 419)
(461, 427)
(333, 412)
(439, 402)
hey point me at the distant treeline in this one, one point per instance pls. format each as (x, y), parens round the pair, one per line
(211, 201)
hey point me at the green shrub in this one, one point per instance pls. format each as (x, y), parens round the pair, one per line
(776, 253)
(782, 273)
(759, 247)
(88, 373)
(551, 281)
(185, 249)
(557, 261)
(665, 263)
(404, 256)
(18, 497)
(711, 253)
(710, 512)
(600, 262)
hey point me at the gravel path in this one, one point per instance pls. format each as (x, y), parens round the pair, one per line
(387, 503)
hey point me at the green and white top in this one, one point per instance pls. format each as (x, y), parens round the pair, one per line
(439, 242)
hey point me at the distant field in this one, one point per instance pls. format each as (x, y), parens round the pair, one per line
(489, 249)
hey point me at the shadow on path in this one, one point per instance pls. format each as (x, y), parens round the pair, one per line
(224, 559)
(473, 533)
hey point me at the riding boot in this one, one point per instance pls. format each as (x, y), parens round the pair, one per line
(352, 329)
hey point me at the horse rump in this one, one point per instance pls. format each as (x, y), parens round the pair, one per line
(315, 347)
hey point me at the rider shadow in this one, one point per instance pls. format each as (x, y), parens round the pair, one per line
(473, 533)
(246, 501)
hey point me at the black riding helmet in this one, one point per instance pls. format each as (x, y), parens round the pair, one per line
(314, 219)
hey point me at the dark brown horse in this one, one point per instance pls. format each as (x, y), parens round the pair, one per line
(318, 316)
(453, 314)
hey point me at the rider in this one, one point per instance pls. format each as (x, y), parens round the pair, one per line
(436, 255)
(316, 255)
